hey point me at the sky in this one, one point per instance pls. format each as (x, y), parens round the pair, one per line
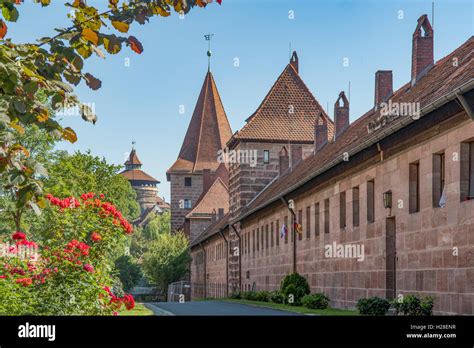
(337, 41)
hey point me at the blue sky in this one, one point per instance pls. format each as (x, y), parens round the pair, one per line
(142, 101)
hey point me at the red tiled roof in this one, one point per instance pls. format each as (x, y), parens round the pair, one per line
(211, 230)
(138, 174)
(221, 173)
(288, 112)
(217, 196)
(133, 159)
(208, 132)
(160, 202)
(443, 78)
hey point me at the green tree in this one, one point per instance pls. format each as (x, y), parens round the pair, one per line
(156, 225)
(129, 271)
(167, 259)
(78, 173)
(51, 67)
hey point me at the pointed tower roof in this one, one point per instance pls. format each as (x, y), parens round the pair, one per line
(133, 159)
(287, 113)
(208, 132)
(133, 173)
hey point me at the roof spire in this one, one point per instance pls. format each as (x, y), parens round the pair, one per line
(208, 38)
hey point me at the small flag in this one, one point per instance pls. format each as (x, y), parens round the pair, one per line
(298, 228)
(283, 231)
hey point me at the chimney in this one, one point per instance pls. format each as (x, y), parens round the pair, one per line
(296, 154)
(220, 213)
(422, 50)
(206, 179)
(213, 215)
(320, 133)
(294, 61)
(284, 160)
(383, 86)
(341, 114)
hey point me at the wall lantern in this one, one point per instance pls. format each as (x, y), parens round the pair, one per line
(387, 200)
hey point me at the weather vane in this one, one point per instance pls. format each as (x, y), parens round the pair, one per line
(133, 144)
(208, 38)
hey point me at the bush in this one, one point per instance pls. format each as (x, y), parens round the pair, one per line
(249, 295)
(296, 286)
(236, 295)
(412, 305)
(71, 270)
(373, 306)
(263, 296)
(276, 297)
(315, 301)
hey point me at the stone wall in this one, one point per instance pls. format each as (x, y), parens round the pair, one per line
(215, 267)
(434, 247)
(181, 192)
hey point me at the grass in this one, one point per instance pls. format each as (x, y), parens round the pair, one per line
(297, 309)
(139, 309)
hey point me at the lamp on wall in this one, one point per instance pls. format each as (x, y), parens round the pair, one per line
(387, 200)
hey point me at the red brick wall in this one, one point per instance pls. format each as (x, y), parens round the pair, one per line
(424, 240)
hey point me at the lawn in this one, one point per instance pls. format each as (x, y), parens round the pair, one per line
(297, 309)
(139, 309)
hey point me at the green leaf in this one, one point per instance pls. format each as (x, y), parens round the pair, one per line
(20, 106)
(9, 12)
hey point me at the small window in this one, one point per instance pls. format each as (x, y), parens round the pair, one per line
(308, 222)
(258, 239)
(188, 182)
(414, 187)
(439, 199)
(266, 236)
(300, 221)
(370, 201)
(187, 204)
(316, 219)
(266, 156)
(262, 236)
(253, 242)
(342, 209)
(467, 171)
(271, 234)
(355, 206)
(277, 233)
(287, 229)
(326, 215)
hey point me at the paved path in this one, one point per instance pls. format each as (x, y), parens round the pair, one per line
(212, 308)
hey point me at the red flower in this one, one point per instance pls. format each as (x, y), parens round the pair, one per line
(102, 196)
(24, 281)
(128, 301)
(96, 237)
(3, 276)
(89, 268)
(19, 235)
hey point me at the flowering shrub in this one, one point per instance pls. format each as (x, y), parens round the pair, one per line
(72, 273)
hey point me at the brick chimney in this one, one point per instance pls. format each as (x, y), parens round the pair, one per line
(284, 160)
(341, 114)
(383, 86)
(206, 179)
(296, 154)
(422, 50)
(320, 133)
(294, 60)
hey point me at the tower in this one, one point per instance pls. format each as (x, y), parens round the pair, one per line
(207, 134)
(144, 185)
